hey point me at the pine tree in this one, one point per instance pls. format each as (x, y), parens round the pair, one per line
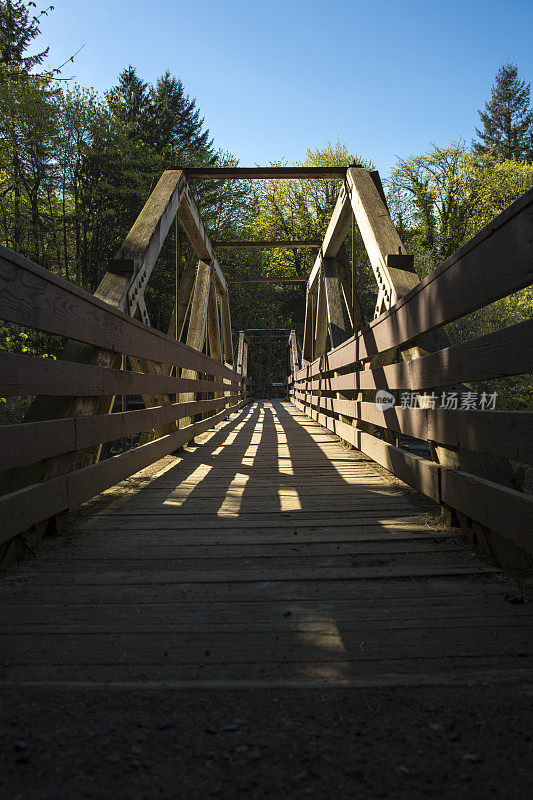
(507, 122)
(17, 30)
(128, 103)
(177, 127)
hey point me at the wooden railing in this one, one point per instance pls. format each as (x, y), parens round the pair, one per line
(471, 448)
(33, 297)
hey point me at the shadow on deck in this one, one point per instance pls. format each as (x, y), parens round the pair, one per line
(269, 555)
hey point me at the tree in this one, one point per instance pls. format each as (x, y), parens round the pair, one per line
(18, 28)
(298, 209)
(433, 197)
(442, 198)
(128, 103)
(507, 122)
(176, 128)
(28, 142)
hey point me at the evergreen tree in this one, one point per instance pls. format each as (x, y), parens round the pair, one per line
(177, 127)
(128, 102)
(507, 122)
(17, 30)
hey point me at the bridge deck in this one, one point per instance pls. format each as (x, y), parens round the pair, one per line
(269, 553)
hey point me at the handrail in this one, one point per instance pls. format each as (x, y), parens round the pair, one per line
(32, 296)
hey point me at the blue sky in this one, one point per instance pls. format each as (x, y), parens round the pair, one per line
(274, 78)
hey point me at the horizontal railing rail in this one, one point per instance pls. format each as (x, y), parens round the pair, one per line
(32, 296)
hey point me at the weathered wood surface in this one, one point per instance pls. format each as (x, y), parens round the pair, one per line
(269, 553)
(31, 295)
(335, 235)
(27, 375)
(504, 352)
(32, 441)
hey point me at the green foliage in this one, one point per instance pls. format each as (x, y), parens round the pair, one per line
(441, 199)
(284, 209)
(18, 28)
(15, 339)
(507, 122)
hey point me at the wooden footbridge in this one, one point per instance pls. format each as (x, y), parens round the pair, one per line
(233, 540)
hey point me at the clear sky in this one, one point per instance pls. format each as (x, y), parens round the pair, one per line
(273, 78)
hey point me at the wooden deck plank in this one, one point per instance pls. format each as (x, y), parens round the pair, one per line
(266, 553)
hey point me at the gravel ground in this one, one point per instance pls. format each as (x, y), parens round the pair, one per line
(139, 744)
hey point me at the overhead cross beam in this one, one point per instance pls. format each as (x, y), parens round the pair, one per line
(262, 173)
(267, 280)
(270, 244)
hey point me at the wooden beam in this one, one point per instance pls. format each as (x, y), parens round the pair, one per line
(309, 327)
(335, 316)
(505, 352)
(240, 353)
(339, 226)
(321, 323)
(508, 434)
(262, 173)
(225, 321)
(469, 279)
(141, 246)
(396, 278)
(245, 359)
(213, 325)
(293, 353)
(267, 280)
(33, 441)
(185, 290)
(33, 504)
(213, 328)
(25, 375)
(336, 233)
(270, 244)
(121, 290)
(56, 306)
(392, 266)
(198, 316)
(196, 331)
(144, 241)
(192, 224)
(505, 511)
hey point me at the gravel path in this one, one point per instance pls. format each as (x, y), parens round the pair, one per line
(455, 743)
